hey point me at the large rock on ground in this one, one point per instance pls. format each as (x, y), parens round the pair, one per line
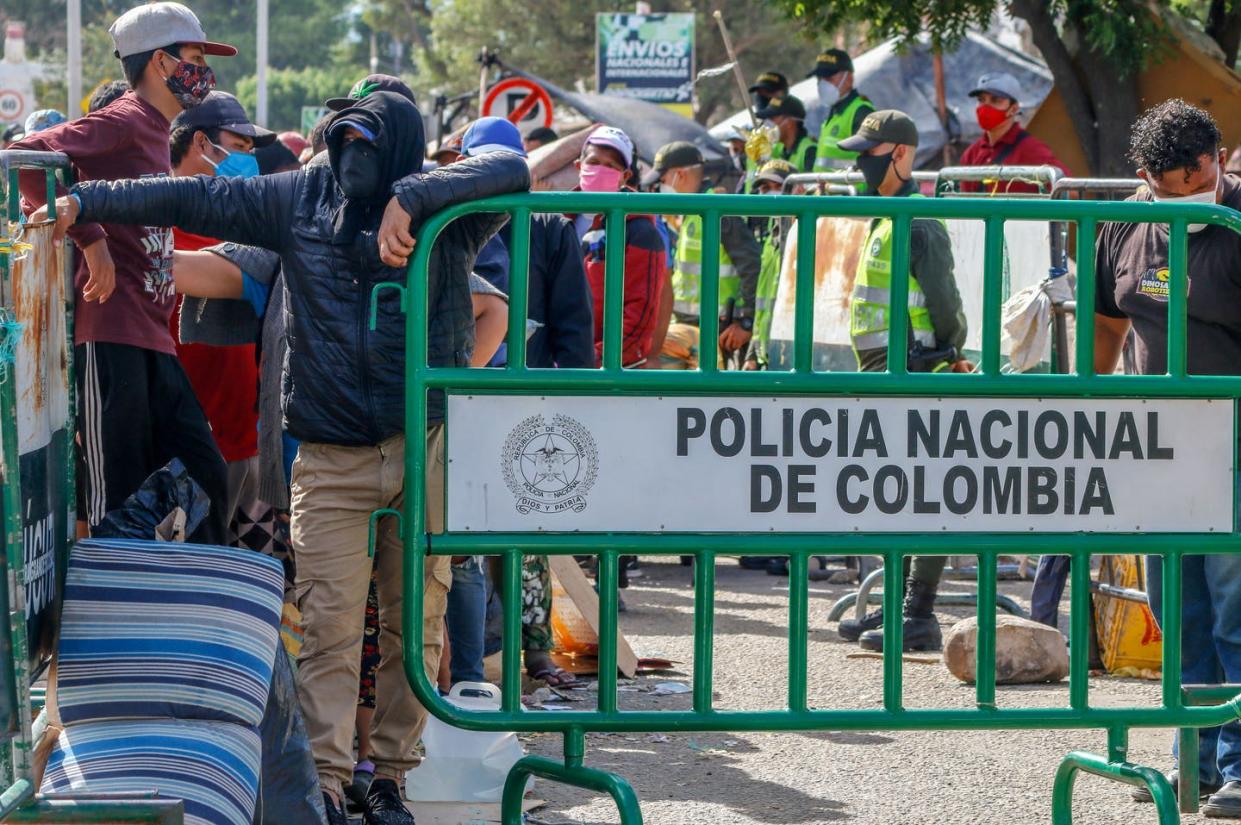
(1026, 652)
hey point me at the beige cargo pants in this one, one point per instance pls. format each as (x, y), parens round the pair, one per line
(334, 491)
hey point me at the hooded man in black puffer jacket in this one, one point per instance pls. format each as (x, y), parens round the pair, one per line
(344, 390)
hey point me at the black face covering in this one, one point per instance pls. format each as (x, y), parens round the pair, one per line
(874, 168)
(365, 170)
(359, 174)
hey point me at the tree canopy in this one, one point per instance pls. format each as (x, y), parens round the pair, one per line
(1094, 48)
(302, 34)
(556, 40)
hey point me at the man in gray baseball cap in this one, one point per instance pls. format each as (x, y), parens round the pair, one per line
(163, 51)
(1003, 141)
(168, 40)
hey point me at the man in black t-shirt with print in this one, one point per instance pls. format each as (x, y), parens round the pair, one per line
(1177, 149)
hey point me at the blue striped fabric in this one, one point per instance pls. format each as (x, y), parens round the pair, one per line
(212, 766)
(159, 630)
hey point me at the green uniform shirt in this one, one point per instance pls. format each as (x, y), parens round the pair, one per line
(843, 120)
(931, 267)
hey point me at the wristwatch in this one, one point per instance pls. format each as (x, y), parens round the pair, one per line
(747, 323)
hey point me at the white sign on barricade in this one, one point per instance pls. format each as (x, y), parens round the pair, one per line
(45, 436)
(684, 464)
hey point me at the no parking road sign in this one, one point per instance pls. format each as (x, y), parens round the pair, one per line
(522, 102)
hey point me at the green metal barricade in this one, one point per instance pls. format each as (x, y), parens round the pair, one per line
(37, 504)
(570, 391)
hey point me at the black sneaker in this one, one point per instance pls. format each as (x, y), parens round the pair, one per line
(851, 629)
(754, 562)
(384, 805)
(1141, 793)
(778, 566)
(918, 634)
(335, 814)
(357, 790)
(1224, 803)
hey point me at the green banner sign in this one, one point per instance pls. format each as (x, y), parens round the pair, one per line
(647, 56)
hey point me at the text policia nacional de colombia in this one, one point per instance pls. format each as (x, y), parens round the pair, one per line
(1001, 461)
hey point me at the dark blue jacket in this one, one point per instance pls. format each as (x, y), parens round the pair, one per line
(343, 384)
(559, 296)
(492, 264)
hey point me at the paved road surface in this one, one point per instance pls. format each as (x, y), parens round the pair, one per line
(824, 777)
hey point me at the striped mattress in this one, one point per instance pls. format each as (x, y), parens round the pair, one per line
(158, 630)
(212, 766)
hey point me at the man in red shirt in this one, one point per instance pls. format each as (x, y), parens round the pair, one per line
(136, 408)
(217, 138)
(1004, 142)
(606, 166)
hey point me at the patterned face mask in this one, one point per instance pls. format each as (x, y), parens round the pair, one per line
(190, 83)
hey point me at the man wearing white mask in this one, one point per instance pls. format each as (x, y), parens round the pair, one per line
(679, 168)
(846, 109)
(1177, 149)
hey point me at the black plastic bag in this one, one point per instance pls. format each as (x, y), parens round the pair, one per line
(159, 496)
(289, 782)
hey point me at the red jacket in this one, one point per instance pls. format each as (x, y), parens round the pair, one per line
(225, 379)
(1020, 148)
(646, 274)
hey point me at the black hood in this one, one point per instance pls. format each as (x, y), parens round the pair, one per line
(397, 126)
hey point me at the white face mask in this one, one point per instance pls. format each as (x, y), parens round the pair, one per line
(829, 93)
(1199, 197)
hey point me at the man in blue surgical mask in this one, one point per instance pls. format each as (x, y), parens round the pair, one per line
(216, 138)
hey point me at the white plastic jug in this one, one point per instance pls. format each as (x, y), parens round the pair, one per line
(463, 765)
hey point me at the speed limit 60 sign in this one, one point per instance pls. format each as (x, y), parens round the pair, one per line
(520, 101)
(12, 105)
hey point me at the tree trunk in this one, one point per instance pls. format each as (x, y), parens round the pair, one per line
(1063, 69)
(1224, 26)
(1116, 109)
(1114, 94)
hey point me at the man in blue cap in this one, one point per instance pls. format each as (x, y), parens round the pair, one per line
(485, 135)
(559, 301)
(216, 138)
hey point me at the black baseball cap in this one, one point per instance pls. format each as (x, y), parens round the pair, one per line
(771, 83)
(775, 171)
(675, 155)
(274, 156)
(368, 84)
(831, 62)
(787, 105)
(884, 126)
(220, 110)
(543, 134)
